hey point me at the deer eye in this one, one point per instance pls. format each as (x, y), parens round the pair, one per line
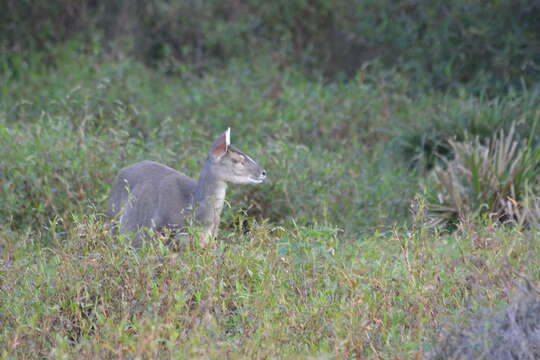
(235, 161)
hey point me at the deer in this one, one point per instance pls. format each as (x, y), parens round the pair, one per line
(151, 195)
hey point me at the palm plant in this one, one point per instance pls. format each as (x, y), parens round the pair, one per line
(498, 179)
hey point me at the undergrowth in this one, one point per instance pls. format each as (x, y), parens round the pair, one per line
(498, 180)
(270, 293)
(322, 261)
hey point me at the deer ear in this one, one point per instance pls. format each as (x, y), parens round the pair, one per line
(221, 145)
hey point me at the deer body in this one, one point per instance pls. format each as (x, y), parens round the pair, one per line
(151, 195)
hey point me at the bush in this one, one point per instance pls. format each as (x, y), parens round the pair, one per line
(489, 45)
(499, 180)
(440, 119)
(510, 334)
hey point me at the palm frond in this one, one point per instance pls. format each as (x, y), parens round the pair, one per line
(498, 179)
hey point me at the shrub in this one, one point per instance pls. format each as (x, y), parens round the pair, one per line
(499, 179)
(511, 334)
(428, 124)
(491, 45)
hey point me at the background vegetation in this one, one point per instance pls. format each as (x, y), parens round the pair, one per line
(376, 120)
(486, 44)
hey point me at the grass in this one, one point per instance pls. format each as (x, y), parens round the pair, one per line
(273, 292)
(324, 137)
(325, 260)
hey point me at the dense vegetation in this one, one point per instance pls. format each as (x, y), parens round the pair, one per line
(401, 144)
(489, 45)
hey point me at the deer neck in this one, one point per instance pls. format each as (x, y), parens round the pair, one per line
(209, 197)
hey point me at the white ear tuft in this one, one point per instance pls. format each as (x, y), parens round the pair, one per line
(221, 145)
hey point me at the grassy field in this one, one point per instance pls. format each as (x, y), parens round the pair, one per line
(330, 258)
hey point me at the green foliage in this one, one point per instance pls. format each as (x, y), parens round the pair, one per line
(68, 131)
(489, 45)
(296, 293)
(499, 180)
(445, 118)
(321, 261)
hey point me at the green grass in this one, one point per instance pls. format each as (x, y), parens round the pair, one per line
(275, 292)
(332, 140)
(334, 265)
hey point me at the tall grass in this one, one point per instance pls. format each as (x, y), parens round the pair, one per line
(323, 261)
(274, 292)
(319, 143)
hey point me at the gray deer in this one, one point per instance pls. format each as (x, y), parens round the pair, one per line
(151, 195)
